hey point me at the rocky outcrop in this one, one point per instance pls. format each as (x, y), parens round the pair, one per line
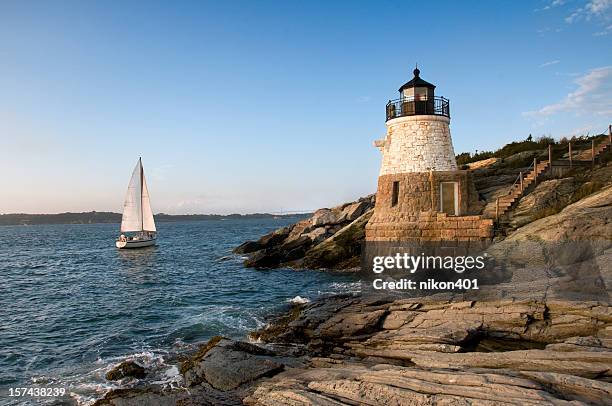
(340, 251)
(547, 198)
(329, 239)
(227, 364)
(424, 352)
(221, 372)
(267, 241)
(588, 219)
(383, 384)
(126, 369)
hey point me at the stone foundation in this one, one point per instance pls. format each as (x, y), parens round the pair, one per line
(420, 192)
(431, 226)
(416, 215)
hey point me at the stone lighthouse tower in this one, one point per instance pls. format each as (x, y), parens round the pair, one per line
(422, 195)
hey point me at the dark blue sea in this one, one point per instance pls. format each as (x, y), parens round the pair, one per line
(72, 305)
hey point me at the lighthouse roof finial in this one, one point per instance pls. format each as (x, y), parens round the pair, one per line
(416, 81)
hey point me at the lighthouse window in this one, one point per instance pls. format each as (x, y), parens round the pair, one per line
(395, 194)
(420, 93)
(449, 198)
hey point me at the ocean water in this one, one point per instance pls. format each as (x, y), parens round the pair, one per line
(72, 305)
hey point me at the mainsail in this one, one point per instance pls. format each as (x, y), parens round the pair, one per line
(137, 213)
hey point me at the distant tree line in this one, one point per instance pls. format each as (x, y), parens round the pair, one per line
(94, 217)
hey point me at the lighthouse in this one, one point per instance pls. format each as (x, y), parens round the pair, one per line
(422, 195)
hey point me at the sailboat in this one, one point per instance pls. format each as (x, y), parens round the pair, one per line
(137, 223)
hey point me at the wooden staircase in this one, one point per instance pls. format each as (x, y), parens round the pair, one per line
(517, 190)
(500, 207)
(593, 153)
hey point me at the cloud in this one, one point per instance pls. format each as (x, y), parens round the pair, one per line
(593, 9)
(552, 4)
(545, 64)
(592, 96)
(607, 30)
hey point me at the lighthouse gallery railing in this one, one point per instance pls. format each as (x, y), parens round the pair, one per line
(410, 106)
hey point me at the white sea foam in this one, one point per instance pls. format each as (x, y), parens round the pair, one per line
(342, 287)
(86, 388)
(299, 300)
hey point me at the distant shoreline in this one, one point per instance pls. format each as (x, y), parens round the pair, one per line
(94, 217)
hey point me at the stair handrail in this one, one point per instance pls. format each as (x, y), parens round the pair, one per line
(534, 166)
(519, 178)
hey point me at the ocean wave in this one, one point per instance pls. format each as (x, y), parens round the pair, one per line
(299, 300)
(88, 386)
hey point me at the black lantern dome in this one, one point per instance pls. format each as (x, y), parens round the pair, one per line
(417, 82)
(417, 98)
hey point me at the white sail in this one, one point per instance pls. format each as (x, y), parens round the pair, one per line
(148, 223)
(132, 207)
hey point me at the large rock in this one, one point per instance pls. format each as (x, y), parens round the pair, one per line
(342, 250)
(269, 240)
(562, 256)
(298, 229)
(228, 364)
(330, 239)
(579, 363)
(159, 395)
(266, 258)
(547, 198)
(289, 250)
(351, 324)
(383, 384)
(317, 235)
(248, 247)
(126, 369)
(354, 210)
(587, 219)
(323, 217)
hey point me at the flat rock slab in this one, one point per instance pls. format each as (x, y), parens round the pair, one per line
(382, 384)
(230, 364)
(203, 395)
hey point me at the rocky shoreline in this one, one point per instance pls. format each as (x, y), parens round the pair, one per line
(542, 337)
(347, 350)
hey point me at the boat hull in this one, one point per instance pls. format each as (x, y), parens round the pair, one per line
(135, 243)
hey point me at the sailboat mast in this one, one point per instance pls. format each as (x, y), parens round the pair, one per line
(141, 202)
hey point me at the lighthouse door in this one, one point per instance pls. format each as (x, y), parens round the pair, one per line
(449, 198)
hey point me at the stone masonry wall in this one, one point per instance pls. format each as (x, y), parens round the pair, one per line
(416, 215)
(429, 226)
(417, 144)
(415, 194)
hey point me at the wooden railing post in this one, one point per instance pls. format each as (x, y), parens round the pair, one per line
(570, 153)
(610, 134)
(535, 171)
(497, 209)
(593, 152)
(521, 178)
(550, 155)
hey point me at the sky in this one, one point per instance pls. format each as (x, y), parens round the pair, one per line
(266, 106)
